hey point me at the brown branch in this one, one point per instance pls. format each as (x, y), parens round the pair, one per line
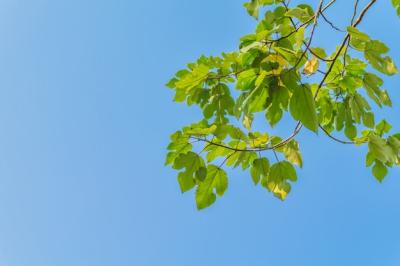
(342, 46)
(273, 147)
(345, 44)
(289, 34)
(313, 18)
(355, 11)
(334, 138)
(363, 12)
(235, 73)
(304, 24)
(331, 23)
(348, 42)
(332, 65)
(299, 125)
(311, 34)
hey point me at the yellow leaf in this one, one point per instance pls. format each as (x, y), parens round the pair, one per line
(258, 140)
(311, 66)
(247, 121)
(280, 190)
(391, 67)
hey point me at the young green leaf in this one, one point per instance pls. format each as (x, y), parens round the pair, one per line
(216, 182)
(259, 169)
(396, 4)
(277, 180)
(302, 107)
(379, 171)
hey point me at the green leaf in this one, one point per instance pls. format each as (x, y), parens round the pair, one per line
(246, 79)
(277, 180)
(302, 14)
(193, 79)
(277, 101)
(355, 66)
(186, 182)
(302, 107)
(259, 169)
(383, 127)
(216, 182)
(171, 83)
(320, 52)
(179, 145)
(326, 110)
(254, 5)
(350, 131)
(220, 104)
(258, 140)
(381, 150)
(200, 130)
(292, 153)
(220, 180)
(379, 171)
(215, 151)
(340, 117)
(369, 160)
(256, 100)
(373, 53)
(394, 143)
(396, 4)
(369, 119)
(224, 130)
(246, 43)
(283, 170)
(253, 8)
(274, 114)
(201, 173)
(372, 84)
(192, 163)
(299, 37)
(357, 34)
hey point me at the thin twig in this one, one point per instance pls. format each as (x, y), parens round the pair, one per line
(311, 34)
(355, 11)
(299, 125)
(334, 138)
(331, 24)
(306, 24)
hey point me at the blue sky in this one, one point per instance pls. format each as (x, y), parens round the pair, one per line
(85, 119)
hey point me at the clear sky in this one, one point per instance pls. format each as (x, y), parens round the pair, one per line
(85, 119)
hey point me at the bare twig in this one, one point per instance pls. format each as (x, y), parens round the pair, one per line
(330, 23)
(355, 11)
(334, 138)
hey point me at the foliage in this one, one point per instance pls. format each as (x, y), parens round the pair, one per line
(275, 72)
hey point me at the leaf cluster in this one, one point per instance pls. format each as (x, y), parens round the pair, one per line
(278, 70)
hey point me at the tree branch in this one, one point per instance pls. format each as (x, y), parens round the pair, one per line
(330, 23)
(299, 125)
(334, 138)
